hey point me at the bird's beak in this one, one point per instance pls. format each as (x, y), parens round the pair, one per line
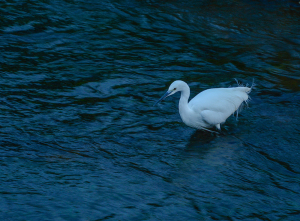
(168, 93)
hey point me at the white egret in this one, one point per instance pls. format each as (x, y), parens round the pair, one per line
(211, 107)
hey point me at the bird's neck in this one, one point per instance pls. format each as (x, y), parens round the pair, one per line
(183, 102)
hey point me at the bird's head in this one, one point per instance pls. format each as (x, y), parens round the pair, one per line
(174, 87)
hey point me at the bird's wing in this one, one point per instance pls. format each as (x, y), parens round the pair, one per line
(219, 100)
(216, 105)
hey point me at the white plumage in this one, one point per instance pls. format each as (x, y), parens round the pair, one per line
(211, 107)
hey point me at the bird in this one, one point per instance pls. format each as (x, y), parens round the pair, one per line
(210, 108)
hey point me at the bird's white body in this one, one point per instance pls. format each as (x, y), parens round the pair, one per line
(209, 108)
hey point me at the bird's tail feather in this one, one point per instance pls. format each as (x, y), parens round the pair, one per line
(247, 88)
(245, 103)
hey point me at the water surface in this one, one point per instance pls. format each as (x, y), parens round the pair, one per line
(81, 140)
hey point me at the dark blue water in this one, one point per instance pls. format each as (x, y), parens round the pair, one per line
(81, 140)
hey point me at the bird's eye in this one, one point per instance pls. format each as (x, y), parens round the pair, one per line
(174, 88)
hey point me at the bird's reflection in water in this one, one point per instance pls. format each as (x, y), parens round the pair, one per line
(201, 141)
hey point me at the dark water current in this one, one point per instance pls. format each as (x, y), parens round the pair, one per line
(81, 140)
